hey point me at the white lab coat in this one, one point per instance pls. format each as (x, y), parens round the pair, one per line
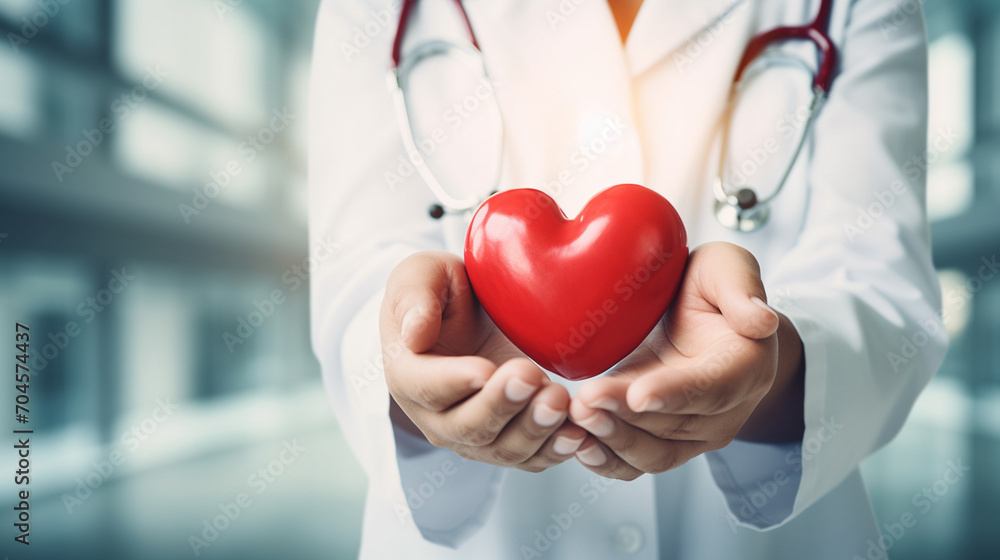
(865, 301)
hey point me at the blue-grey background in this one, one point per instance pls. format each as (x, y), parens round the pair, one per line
(208, 415)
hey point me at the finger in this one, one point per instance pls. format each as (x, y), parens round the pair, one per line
(597, 458)
(560, 446)
(528, 431)
(681, 427)
(435, 383)
(633, 445)
(478, 420)
(415, 297)
(729, 276)
(734, 370)
(609, 393)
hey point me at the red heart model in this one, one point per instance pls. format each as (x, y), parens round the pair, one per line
(576, 295)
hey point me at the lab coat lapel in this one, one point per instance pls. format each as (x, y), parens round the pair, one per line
(663, 26)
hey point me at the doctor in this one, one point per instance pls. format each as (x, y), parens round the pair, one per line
(737, 428)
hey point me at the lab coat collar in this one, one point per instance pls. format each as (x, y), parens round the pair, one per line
(563, 79)
(663, 26)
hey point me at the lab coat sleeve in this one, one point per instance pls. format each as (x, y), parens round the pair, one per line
(859, 285)
(367, 212)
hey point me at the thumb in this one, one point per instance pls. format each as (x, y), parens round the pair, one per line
(415, 296)
(733, 284)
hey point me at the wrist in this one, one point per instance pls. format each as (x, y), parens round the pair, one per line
(779, 417)
(402, 421)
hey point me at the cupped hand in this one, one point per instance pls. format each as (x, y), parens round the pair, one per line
(698, 380)
(456, 380)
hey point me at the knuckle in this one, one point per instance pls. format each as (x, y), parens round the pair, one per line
(626, 414)
(607, 472)
(393, 301)
(476, 436)
(532, 431)
(398, 301)
(548, 457)
(742, 253)
(619, 469)
(627, 474)
(662, 462)
(724, 441)
(687, 425)
(434, 439)
(504, 456)
(626, 438)
(494, 424)
(751, 262)
(468, 453)
(401, 300)
(423, 394)
(668, 465)
(721, 399)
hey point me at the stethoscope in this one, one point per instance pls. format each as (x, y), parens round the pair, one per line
(737, 207)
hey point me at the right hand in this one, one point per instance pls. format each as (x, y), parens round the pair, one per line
(455, 379)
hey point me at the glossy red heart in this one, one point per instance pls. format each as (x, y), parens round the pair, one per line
(576, 295)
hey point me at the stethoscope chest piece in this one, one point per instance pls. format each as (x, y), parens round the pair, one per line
(742, 211)
(739, 207)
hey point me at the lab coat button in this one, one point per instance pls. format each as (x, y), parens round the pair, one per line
(629, 539)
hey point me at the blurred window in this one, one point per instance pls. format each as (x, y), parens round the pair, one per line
(165, 148)
(951, 127)
(20, 111)
(215, 63)
(74, 25)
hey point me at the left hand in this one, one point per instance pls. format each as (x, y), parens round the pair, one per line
(696, 380)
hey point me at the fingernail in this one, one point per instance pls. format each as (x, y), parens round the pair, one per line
(593, 456)
(517, 390)
(545, 415)
(761, 303)
(409, 321)
(477, 383)
(606, 403)
(651, 404)
(599, 424)
(565, 445)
